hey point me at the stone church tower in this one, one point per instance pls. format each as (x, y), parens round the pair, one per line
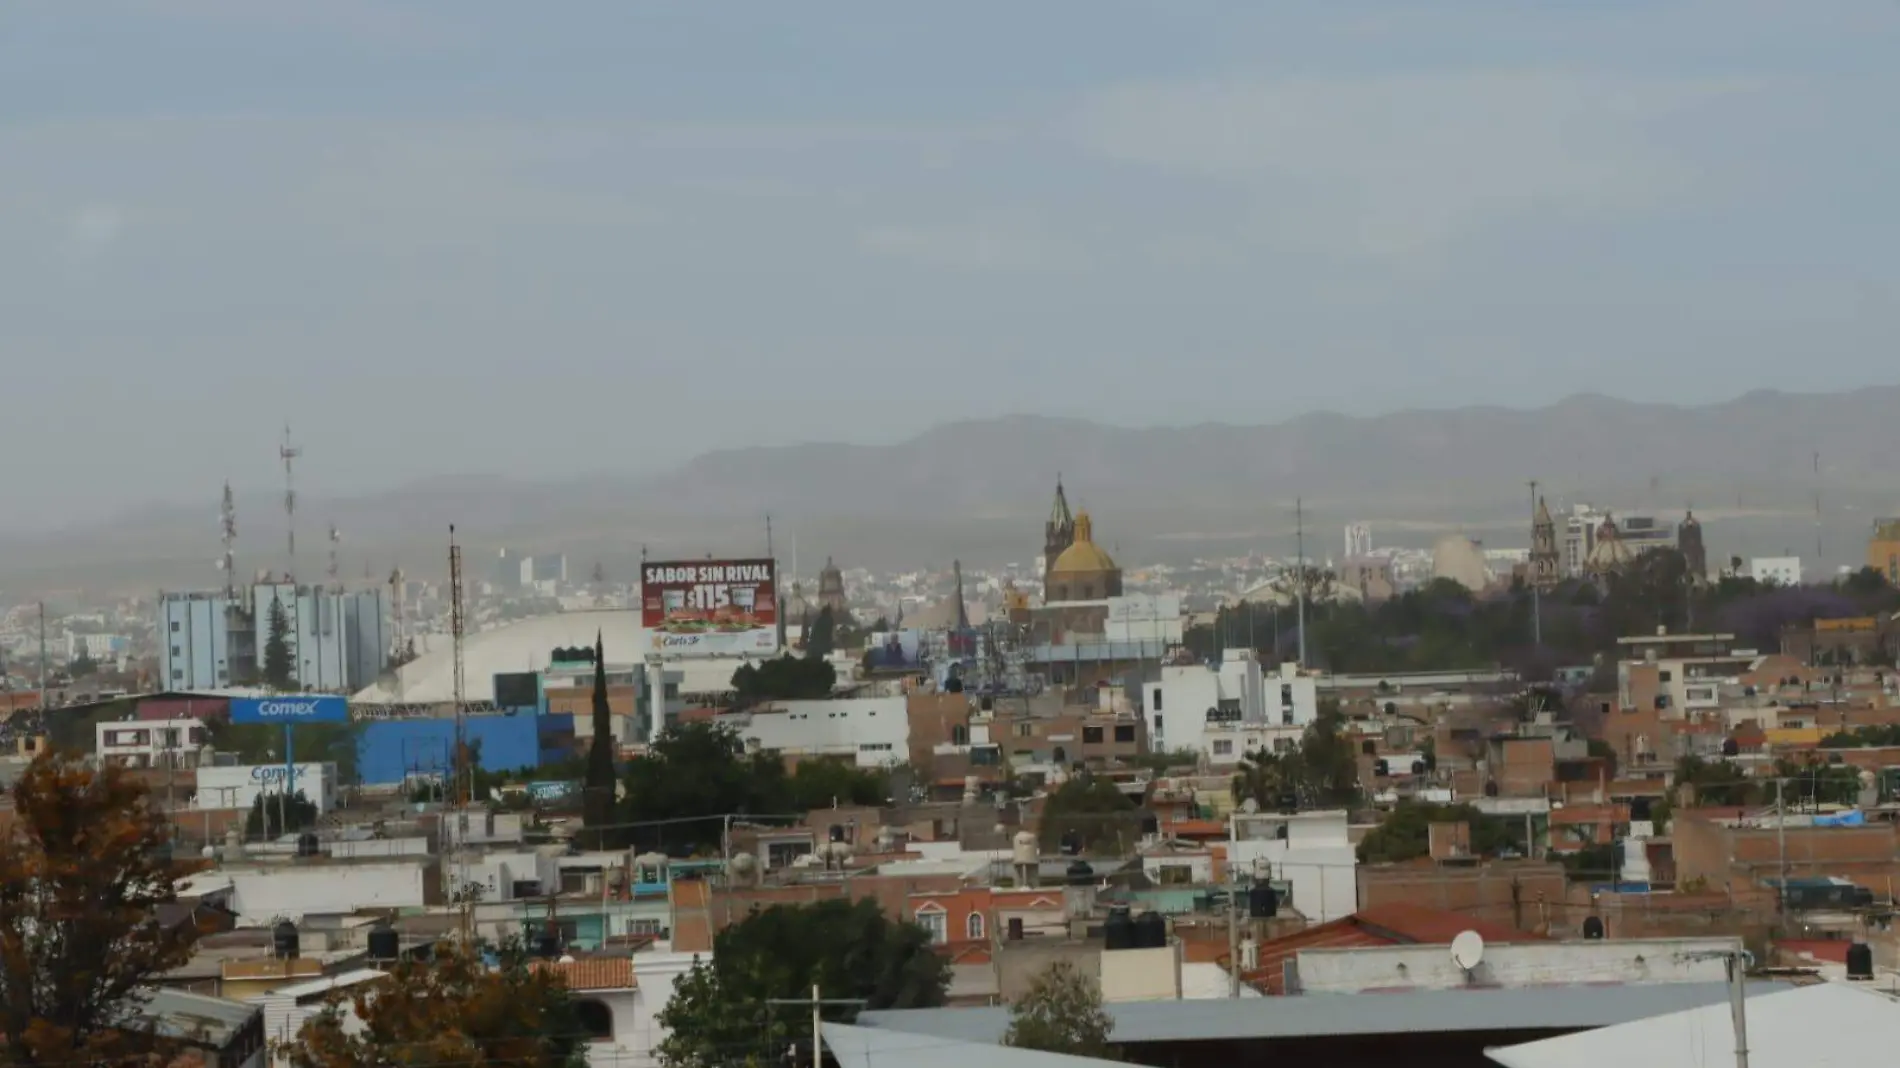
(1059, 532)
(1544, 555)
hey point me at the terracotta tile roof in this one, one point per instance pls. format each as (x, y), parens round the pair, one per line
(593, 973)
(1380, 925)
(1196, 829)
(1830, 951)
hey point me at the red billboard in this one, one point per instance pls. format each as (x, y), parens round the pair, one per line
(710, 606)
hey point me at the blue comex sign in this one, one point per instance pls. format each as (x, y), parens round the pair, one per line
(290, 708)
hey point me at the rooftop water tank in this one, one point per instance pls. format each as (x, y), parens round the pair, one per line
(1151, 931)
(1860, 962)
(1593, 928)
(1118, 932)
(1263, 901)
(283, 940)
(384, 943)
(1024, 849)
(308, 844)
(1080, 874)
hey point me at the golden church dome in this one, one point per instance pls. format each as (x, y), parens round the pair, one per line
(1083, 556)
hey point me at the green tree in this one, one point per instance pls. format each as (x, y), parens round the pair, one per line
(83, 666)
(84, 865)
(274, 815)
(829, 781)
(1101, 817)
(784, 678)
(1405, 832)
(1322, 770)
(720, 1012)
(280, 672)
(693, 774)
(598, 801)
(1062, 1013)
(821, 637)
(452, 1009)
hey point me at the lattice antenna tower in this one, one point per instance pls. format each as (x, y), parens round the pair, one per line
(289, 453)
(396, 589)
(228, 562)
(457, 623)
(335, 572)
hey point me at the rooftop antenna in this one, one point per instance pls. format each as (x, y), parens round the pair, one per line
(228, 564)
(402, 623)
(336, 542)
(1537, 603)
(1299, 534)
(456, 623)
(289, 453)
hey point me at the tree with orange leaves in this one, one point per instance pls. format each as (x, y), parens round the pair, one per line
(84, 866)
(460, 1006)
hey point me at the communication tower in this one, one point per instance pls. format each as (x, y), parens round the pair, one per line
(336, 543)
(228, 563)
(289, 453)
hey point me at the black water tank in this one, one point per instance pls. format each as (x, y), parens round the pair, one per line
(1080, 874)
(1149, 824)
(1119, 930)
(384, 943)
(1418, 767)
(1289, 802)
(1369, 747)
(1491, 788)
(837, 832)
(1263, 901)
(308, 845)
(1731, 747)
(1860, 962)
(283, 940)
(1593, 928)
(1381, 768)
(1639, 808)
(1151, 931)
(547, 945)
(1071, 843)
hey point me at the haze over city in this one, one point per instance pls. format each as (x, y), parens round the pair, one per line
(480, 240)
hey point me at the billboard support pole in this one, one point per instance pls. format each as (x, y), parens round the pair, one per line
(290, 765)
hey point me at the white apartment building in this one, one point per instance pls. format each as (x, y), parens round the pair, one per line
(1196, 706)
(150, 743)
(1780, 570)
(1310, 851)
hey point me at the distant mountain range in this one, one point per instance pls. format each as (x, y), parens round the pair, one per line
(980, 489)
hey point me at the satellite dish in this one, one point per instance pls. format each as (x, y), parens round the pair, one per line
(1467, 950)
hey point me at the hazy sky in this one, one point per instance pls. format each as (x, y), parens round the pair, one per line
(500, 237)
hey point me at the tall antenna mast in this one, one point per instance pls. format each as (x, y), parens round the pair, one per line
(768, 537)
(1299, 534)
(402, 624)
(288, 453)
(336, 542)
(1817, 510)
(1537, 604)
(456, 623)
(229, 562)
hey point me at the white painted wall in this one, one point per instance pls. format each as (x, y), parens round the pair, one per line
(239, 787)
(1316, 858)
(637, 1031)
(873, 731)
(262, 894)
(1530, 964)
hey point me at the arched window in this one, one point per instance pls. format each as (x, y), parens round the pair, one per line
(973, 927)
(595, 1018)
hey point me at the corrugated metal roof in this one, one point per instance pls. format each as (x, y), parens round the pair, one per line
(1313, 1015)
(869, 1047)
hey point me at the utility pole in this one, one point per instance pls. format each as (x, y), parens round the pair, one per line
(1781, 858)
(817, 1002)
(1738, 1013)
(1233, 937)
(1537, 603)
(1299, 535)
(43, 703)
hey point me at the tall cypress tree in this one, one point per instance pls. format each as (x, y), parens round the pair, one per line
(280, 673)
(597, 813)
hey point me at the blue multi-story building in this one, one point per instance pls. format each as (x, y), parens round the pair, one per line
(339, 640)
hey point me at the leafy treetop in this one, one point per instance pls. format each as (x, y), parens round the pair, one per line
(1062, 1013)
